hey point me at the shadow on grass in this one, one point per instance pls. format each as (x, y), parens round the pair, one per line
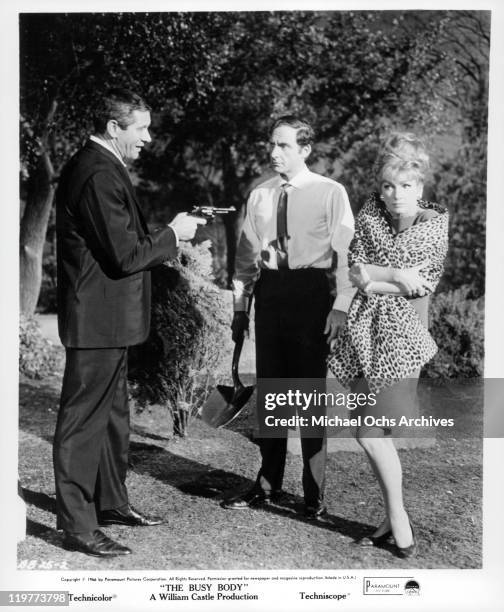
(188, 476)
(38, 407)
(45, 533)
(41, 500)
(39, 530)
(200, 480)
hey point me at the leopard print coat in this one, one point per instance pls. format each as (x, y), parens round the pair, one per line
(384, 339)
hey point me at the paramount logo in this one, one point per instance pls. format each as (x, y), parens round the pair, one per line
(385, 585)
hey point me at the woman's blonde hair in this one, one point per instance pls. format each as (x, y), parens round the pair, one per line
(400, 152)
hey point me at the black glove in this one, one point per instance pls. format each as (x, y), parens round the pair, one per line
(240, 325)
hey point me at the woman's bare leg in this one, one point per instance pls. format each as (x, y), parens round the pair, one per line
(386, 465)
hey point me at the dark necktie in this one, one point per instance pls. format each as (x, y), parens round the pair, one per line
(282, 236)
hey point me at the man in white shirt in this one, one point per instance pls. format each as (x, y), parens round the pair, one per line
(292, 255)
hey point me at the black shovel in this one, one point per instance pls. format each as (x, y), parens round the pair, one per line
(225, 403)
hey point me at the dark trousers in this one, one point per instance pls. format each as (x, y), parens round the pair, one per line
(291, 308)
(90, 449)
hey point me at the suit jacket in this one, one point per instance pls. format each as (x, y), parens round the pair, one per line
(104, 252)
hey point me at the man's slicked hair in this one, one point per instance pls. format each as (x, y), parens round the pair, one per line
(119, 104)
(305, 134)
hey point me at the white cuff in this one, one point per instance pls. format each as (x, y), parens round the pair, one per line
(240, 304)
(342, 302)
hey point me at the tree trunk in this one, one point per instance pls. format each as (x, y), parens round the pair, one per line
(33, 229)
(33, 233)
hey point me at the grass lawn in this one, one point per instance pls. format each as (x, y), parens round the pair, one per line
(184, 480)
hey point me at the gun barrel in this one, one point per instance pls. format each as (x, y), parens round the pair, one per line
(211, 211)
(223, 211)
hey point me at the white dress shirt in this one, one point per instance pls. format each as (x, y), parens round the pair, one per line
(319, 223)
(108, 146)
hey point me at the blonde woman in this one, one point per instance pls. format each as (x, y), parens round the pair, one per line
(396, 260)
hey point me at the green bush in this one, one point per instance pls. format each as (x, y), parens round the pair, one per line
(461, 185)
(456, 323)
(190, 337)
(38, 358)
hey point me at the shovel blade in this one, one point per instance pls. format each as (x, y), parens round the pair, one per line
(224, 404)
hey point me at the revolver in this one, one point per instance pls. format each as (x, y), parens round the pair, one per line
(209, 212)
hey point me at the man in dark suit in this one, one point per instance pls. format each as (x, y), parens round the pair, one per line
(105, 251)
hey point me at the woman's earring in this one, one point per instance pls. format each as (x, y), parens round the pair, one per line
(381, 197)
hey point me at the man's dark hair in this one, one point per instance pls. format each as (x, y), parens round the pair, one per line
(118, 104)
(305, 134)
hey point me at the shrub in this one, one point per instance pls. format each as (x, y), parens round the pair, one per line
(456, 323)
(38, 357)
(461, 185)
(189, 339)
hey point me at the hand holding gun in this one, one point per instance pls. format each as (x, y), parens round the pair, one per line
(209, 212)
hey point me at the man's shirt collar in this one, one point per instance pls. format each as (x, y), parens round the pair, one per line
(107, 146)
(298, 180)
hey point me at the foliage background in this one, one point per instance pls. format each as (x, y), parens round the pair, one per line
(216, 80)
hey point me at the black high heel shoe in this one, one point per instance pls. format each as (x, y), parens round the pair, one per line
(369, 541)
(408, 551)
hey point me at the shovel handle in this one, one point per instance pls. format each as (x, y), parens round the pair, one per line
(236, 358)
(237, 352)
